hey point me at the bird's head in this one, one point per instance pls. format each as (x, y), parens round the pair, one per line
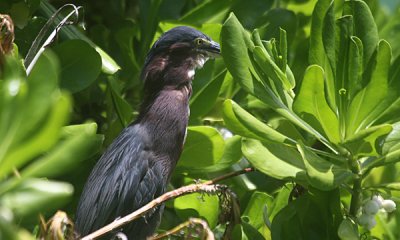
(174, 57)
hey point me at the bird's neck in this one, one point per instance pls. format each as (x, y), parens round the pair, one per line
(165, 116)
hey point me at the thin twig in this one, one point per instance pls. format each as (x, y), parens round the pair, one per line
(199, 187)
(209, 235)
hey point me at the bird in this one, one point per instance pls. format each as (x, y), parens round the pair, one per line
(138, 164)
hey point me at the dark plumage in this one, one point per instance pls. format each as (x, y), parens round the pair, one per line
(137, 166)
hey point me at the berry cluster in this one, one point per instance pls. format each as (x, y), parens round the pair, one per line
(371, 207)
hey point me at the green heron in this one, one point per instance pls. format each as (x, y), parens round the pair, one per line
(137, 166)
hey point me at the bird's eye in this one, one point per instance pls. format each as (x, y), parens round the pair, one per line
(198, 41)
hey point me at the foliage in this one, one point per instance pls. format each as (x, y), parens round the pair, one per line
(309, 88)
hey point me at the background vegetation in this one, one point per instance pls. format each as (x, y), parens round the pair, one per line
(310, 99)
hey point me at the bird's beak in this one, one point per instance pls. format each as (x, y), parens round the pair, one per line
(211, 48)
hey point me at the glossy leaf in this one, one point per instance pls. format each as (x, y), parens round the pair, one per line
(236, 50)
(392, 140)
(108, 66)
(258, 203)
(317, 52)
(364, 26)
(361, 110)
(241, 122)
(366, 141)
(311, 104)
(322, 174)
(232, 154)
(198, 205)
(235, 42)
(271, 69)
(275, 160)
(81, 64)
(204, 146)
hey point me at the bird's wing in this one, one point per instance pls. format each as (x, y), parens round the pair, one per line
(123, 180)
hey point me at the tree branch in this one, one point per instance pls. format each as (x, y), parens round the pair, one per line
(207, 233)
(207, 186)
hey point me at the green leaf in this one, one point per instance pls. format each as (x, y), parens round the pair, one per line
(250, 232)
(236, 46)
(204, 146)
(314, 215)
(13, 95)
(235, 42)
(45, 138)
(243, 123)
(348, 230)
(393, 186)
(390, 158)
(118, 104)
(257, 204)
(125, 35)
(232, 154)
(203, 101)
(207, 12)
(317, 52)
(362, 112)
(36, 196)
(236, 50)
(355, 67)
(275, 160)
(392, 140)
(42, 81)
(73, 130)
(364, 26)
(280, 200)
(109, 66)
(322, 174)
(65, 156)
(311, 104)
(80, 62)
(198, 205)
(366, 141)
(271, 69)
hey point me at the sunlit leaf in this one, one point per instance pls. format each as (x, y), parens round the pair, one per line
(364, 26)
(43, 140)
(275, 160)
(232, 154)
(241, 122)
(362, 108)
(366, 141)
(322, 174)
(198, 205)
(311, 104)
(256, 205)
(204, 146)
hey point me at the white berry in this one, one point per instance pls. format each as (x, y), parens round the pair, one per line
(388, 205)
(371, 207)
(378, 199)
